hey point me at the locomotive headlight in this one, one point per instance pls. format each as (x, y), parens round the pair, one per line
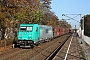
(20, 41)
(20, 37)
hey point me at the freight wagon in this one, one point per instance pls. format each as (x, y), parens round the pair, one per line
(55, 31)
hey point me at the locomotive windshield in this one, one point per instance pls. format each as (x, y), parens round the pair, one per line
(23, 28)
(27, 28)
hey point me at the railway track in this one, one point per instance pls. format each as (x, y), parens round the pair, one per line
(53, 54)
(70, 51)
(43, 51)
(47, 54)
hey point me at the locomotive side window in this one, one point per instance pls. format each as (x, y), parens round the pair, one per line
(23, 28)
(36, 29)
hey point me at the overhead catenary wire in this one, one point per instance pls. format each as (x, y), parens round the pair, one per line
(57, 11)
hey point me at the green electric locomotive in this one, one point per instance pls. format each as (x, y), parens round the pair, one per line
(31, 34)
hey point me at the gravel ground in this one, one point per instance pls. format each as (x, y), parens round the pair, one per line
(85, 48)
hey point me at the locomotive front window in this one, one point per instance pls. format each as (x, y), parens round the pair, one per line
(23, 28)
(29, 28)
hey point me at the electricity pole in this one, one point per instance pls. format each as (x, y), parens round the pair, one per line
(73, 18)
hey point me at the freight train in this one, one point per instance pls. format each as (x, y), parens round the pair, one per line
(33, 34)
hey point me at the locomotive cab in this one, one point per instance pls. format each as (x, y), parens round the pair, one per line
(28, 34)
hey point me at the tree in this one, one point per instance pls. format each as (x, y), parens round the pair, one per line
(87, 24)
(50, 19)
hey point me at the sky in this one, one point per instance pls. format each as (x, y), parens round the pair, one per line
(69, 7)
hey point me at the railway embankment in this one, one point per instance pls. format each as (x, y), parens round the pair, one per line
(41, 51)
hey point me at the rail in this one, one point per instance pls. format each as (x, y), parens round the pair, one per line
(52, 55)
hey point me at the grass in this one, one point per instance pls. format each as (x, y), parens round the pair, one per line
(86, 44)
(2, 58)
(83, 54)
